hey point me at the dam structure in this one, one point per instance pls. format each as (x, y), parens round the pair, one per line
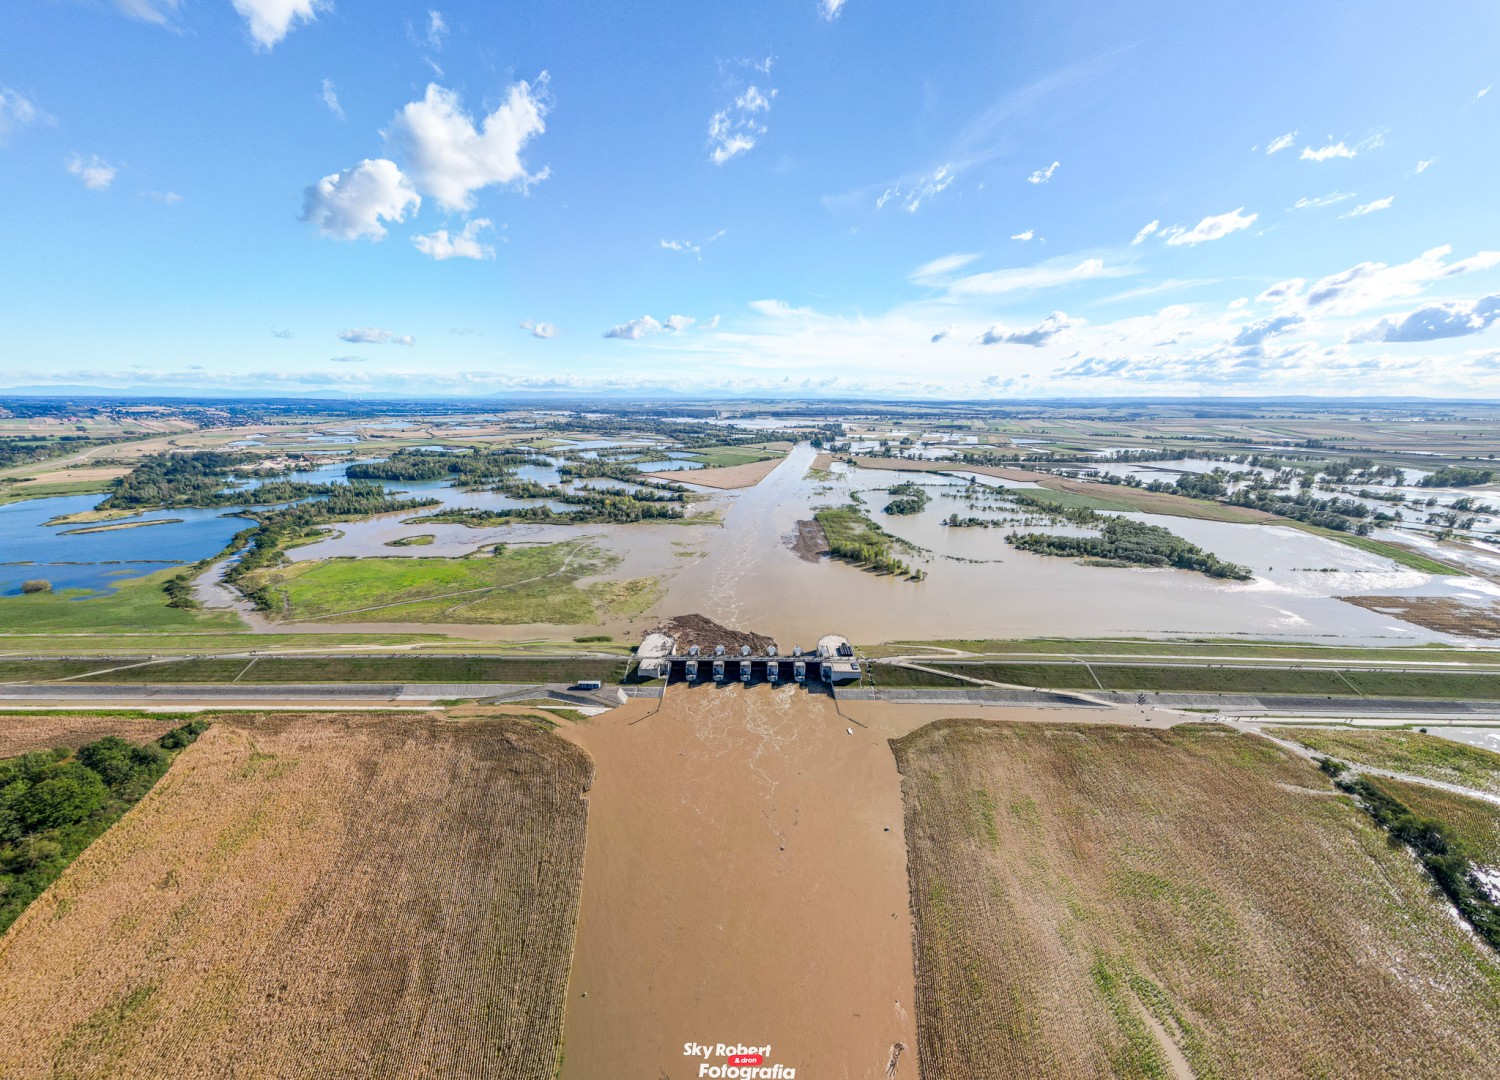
(831, 661)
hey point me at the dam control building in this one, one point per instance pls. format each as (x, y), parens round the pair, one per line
(831, 661)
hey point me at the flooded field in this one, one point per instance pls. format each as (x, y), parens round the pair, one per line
(738, 568)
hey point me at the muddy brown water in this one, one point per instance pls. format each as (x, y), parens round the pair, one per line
(743, 573)
(741, 887)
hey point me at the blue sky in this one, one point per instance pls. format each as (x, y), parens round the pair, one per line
(796, 196)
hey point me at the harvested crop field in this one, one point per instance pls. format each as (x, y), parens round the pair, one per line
(368, 894)
(726, 477)
(1098, 901)
(21, 734)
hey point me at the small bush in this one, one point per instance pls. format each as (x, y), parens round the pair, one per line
(36, 585)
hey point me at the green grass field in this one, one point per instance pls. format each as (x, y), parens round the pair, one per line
(40, 489)
(721, 456)
(519, 585)
(137, 604)
(1413, 752)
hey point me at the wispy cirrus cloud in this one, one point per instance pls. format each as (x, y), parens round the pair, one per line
(1281, 142)
(1370, 207)
(330, 99)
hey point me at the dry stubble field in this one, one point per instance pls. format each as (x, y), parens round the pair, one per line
(23, 733)
(1097, 901)
(347, 895)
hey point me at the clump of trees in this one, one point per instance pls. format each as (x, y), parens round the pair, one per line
(1457, 476)
(54, 803)
(907, 498)
(1124, 542)
(36, 585)
(469, 467)
(1341, 515)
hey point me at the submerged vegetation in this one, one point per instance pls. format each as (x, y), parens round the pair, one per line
(1124, 542)
(54, 803)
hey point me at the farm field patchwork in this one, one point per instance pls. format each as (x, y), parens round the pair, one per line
(312, 896)
(1104, 901)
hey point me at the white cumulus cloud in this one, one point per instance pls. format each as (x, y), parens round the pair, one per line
(1041, 176)
(1257, 332)
(540, 329)
(1327, 153)
(460, 245)
(1371, 284)
(1214, 228)
(450, 158)
(1145, 231)
(635, 329)
(1027, 235)
(830, 9)
(271, 20)
(1038, 335)
(353, 203)
(96, 173)
(1454, 318)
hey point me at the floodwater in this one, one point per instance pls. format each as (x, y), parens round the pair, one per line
(30, 548)
(743, 573)
(744, 883)
(978, 586)
(1484, 738)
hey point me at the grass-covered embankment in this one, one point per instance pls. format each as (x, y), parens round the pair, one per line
(1322, 681)
(402, 668)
